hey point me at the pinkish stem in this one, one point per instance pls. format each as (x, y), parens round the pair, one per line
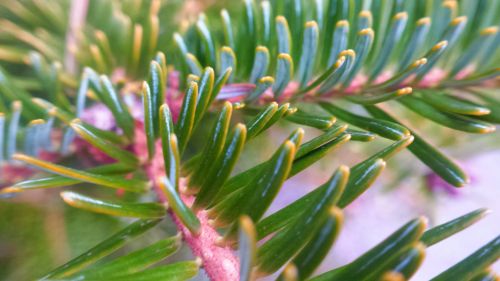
(220, 263)
(77, 16)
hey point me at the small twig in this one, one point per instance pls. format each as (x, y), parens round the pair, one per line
(220, 262)
(78, 13)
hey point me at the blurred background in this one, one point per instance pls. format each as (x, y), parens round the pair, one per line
(39, 232)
